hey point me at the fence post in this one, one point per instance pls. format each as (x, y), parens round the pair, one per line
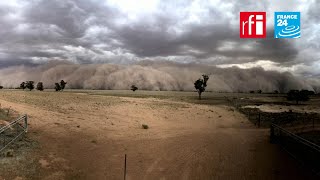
(312, 124)
(4, 139)
(271, 134)
(125, 166)
(280, 136)
(26, 122)
(8, 111)
(259, 119)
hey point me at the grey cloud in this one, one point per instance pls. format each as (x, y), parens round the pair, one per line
(313, 13)
(88, 31)
(66, 15)
(12, 61)
(203, 42)
(279, 50)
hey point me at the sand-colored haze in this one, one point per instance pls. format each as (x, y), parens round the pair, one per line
(150, 75)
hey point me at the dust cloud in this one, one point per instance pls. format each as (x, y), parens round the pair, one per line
(150, 75)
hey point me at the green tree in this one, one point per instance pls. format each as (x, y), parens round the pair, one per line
(62, 84)
(201, 84)
(30, 85)
(134, 88)
(40, 86)
(23, 85)
(296, 95)
(57, 87)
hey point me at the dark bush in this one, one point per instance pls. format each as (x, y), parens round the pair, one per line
(134, 88)
(296, 95)
(62, 85)
(30, 85)
(23, 85)
(40, 86)
(57, 87)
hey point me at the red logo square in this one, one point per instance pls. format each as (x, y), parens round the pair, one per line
(253, 25)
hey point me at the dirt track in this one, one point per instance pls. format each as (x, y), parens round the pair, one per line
(85, 137)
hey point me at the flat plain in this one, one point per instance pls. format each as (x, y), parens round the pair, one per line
(85, 134)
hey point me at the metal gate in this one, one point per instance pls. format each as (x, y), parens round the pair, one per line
(12, 131)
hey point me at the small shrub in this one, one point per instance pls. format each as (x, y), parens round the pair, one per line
(5, 114)
(57, 87)
(40, 86)
(144, 126)
(23, 85)
(62, 85)
(134, 88)
(30, 85)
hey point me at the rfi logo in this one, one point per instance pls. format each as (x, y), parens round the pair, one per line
(287, 24)
(253, 25)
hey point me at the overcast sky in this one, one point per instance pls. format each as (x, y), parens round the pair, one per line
(126, 31)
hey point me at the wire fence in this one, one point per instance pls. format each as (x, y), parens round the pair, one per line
(295, 121)
(304, 151)
(296, 132)
(12, 131)
(289, 119)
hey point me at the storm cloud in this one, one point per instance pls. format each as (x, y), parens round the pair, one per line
(125, 33)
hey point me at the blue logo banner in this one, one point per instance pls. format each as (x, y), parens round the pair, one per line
(287, 25)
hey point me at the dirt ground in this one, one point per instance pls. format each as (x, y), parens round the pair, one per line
(81, 136)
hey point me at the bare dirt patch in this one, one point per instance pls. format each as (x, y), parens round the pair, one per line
(83, 136)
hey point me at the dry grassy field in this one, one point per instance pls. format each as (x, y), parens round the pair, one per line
(80, 134)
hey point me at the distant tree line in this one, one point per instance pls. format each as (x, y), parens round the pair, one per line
(30, 85)
(200, 86)
(27, 85)
(257, 91)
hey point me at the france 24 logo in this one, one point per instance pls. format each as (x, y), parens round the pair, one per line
(253, 25)
(287, 25)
